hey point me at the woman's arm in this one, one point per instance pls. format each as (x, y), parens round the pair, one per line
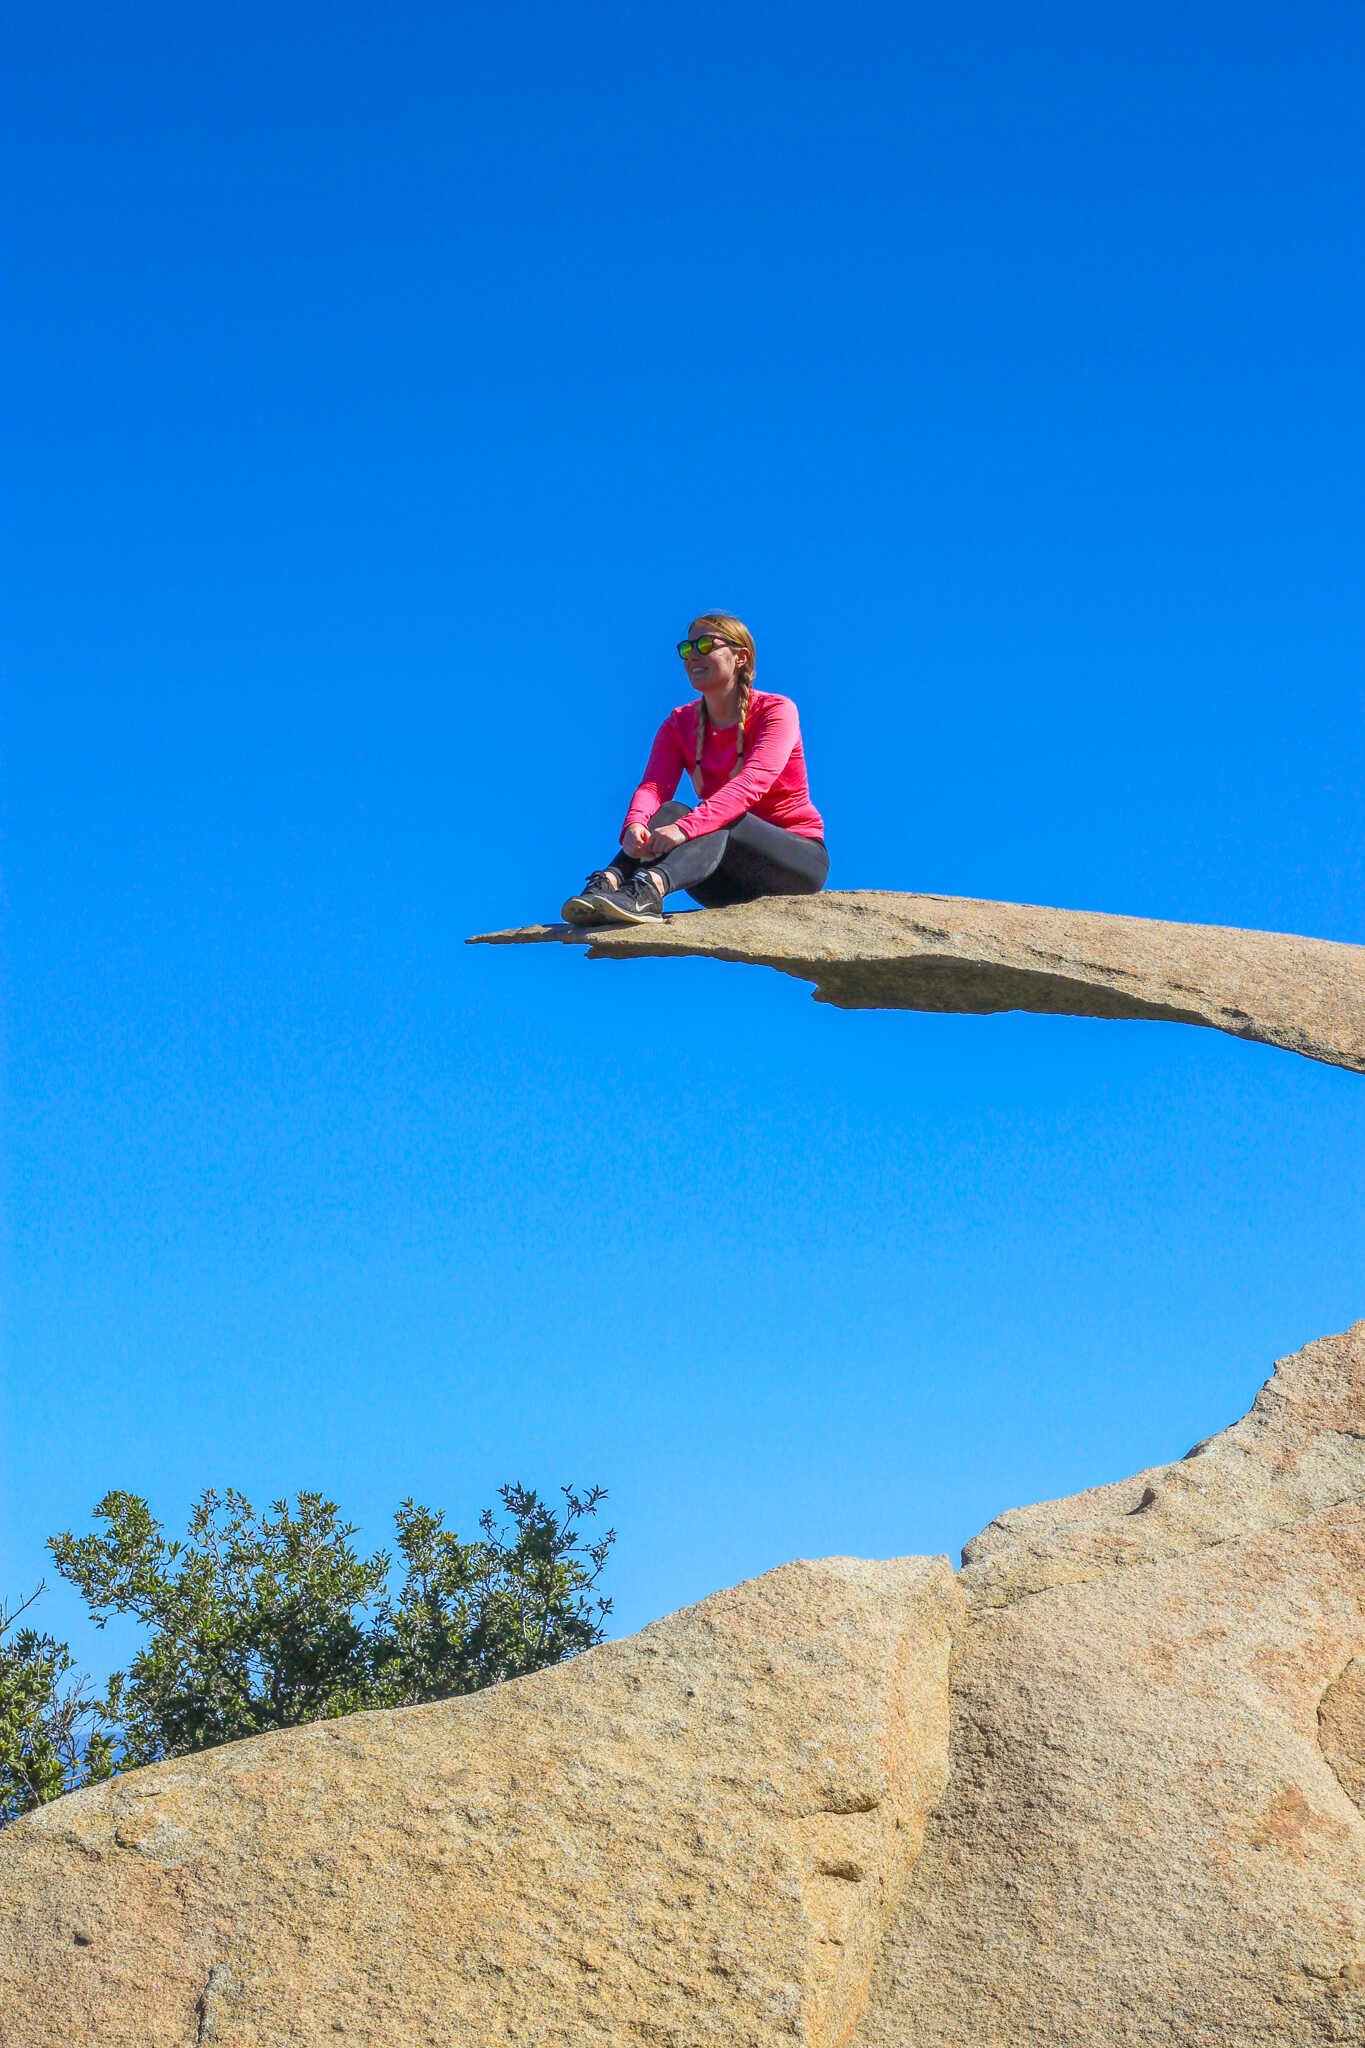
(663, 772)
(774, 734)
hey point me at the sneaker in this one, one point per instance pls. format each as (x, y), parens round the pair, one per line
(586, 906)
(639, 902)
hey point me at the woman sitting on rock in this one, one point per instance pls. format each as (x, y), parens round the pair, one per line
(755, 831)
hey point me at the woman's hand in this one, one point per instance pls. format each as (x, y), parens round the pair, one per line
(635, 841)
(663, 839)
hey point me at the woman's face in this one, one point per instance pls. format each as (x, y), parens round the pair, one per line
(716, 670)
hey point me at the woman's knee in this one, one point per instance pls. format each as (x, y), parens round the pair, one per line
(669, 814)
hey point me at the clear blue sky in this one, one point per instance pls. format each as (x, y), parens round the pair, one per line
(388, 390)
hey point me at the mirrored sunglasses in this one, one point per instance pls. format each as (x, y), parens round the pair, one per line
(702, 645)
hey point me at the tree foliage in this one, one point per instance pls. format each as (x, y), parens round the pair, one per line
(471, 1614)
(53, 1736)
(262, 1621)
(252, 1619)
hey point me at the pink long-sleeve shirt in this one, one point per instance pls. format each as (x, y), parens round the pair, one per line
(772, 783)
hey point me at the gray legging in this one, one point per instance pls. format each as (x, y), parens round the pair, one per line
(747, 859)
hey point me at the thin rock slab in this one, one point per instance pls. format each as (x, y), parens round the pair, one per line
(868, 949)
(694, 1835)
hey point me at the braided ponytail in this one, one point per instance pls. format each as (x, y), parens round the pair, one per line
(746, 691)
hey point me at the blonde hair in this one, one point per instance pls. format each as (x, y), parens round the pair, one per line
(728, 628)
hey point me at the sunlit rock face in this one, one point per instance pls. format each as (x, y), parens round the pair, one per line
(1153, 1831)
(870, 949)
(695, 1835)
